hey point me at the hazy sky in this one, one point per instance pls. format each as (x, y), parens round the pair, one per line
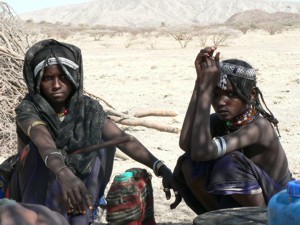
(21, 6)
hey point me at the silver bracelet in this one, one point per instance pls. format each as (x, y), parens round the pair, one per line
(52, 153)
(154, 164)
(221, 146)
(59, 169)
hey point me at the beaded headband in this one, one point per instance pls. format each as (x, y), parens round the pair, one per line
(234, 70)
(53, 61)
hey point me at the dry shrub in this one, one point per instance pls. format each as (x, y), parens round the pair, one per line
(271, 27)
(182, 37)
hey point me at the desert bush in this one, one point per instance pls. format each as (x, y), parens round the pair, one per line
(58, 32)
(271, 28)
(129, 41)
(64, 33)
(202, 36)
(219, 38)
(151, 43)
(96, 34)
(183, 38)
(244, 28)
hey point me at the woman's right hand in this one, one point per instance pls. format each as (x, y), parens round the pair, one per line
(207, 66)
(75, 195)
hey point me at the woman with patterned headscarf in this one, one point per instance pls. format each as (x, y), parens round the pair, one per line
(233, 157)
(54, 120)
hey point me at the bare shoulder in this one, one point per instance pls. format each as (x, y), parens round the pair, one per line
(258, 133)
(265, 128)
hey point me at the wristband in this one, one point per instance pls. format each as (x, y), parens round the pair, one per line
(156, 166)
(54, 154)
(59, 169)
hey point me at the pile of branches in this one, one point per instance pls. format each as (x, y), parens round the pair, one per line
(14, 41)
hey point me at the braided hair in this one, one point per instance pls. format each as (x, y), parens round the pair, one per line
(243, 82)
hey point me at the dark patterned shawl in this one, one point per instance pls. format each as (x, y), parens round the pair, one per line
(82, 126)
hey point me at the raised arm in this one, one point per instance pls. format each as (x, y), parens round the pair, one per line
(186, 130)
(185, 141)
(207, 68)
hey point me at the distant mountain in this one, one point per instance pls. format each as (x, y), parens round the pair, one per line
(149, 13)
(259, 16)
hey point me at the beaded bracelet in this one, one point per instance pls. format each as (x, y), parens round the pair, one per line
(53, 153)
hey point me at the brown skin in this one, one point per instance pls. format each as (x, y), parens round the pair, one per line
(56, 89)
(29, 214)
(258, 139)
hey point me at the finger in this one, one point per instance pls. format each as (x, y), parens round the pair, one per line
(217, 57)
(88, 200)
(209, 62)
(167, 193)
(203, 64)
(214, 63)
(178, 199)
(208, 50)
(80, 202)
(67, 203)
(201, 56)
(71, 202)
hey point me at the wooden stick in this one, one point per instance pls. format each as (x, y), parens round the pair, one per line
(145, 123)
(154, 112)
(115, 141)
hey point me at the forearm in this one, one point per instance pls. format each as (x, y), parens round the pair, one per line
(138, 152)
(135, 150)
(187, 127)
(201, 136)
(45, 144)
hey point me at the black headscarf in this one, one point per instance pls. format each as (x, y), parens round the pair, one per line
(82, 126)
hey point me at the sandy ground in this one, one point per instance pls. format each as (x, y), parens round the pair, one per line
(163, 77)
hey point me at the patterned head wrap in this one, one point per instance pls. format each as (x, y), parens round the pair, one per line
(240, 74)
(51, 52)
(242, 77)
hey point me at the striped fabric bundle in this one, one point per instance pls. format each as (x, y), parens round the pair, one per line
(130, 199)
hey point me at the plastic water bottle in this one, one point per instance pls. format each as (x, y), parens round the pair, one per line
(284, 207)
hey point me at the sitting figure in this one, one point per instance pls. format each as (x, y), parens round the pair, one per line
(56, 122)
(233, 157)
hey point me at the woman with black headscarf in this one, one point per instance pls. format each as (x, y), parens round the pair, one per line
(54, 120)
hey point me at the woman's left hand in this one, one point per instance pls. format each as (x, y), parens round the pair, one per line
(167, 180)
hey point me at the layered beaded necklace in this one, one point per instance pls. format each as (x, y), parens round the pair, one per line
(248, 117)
